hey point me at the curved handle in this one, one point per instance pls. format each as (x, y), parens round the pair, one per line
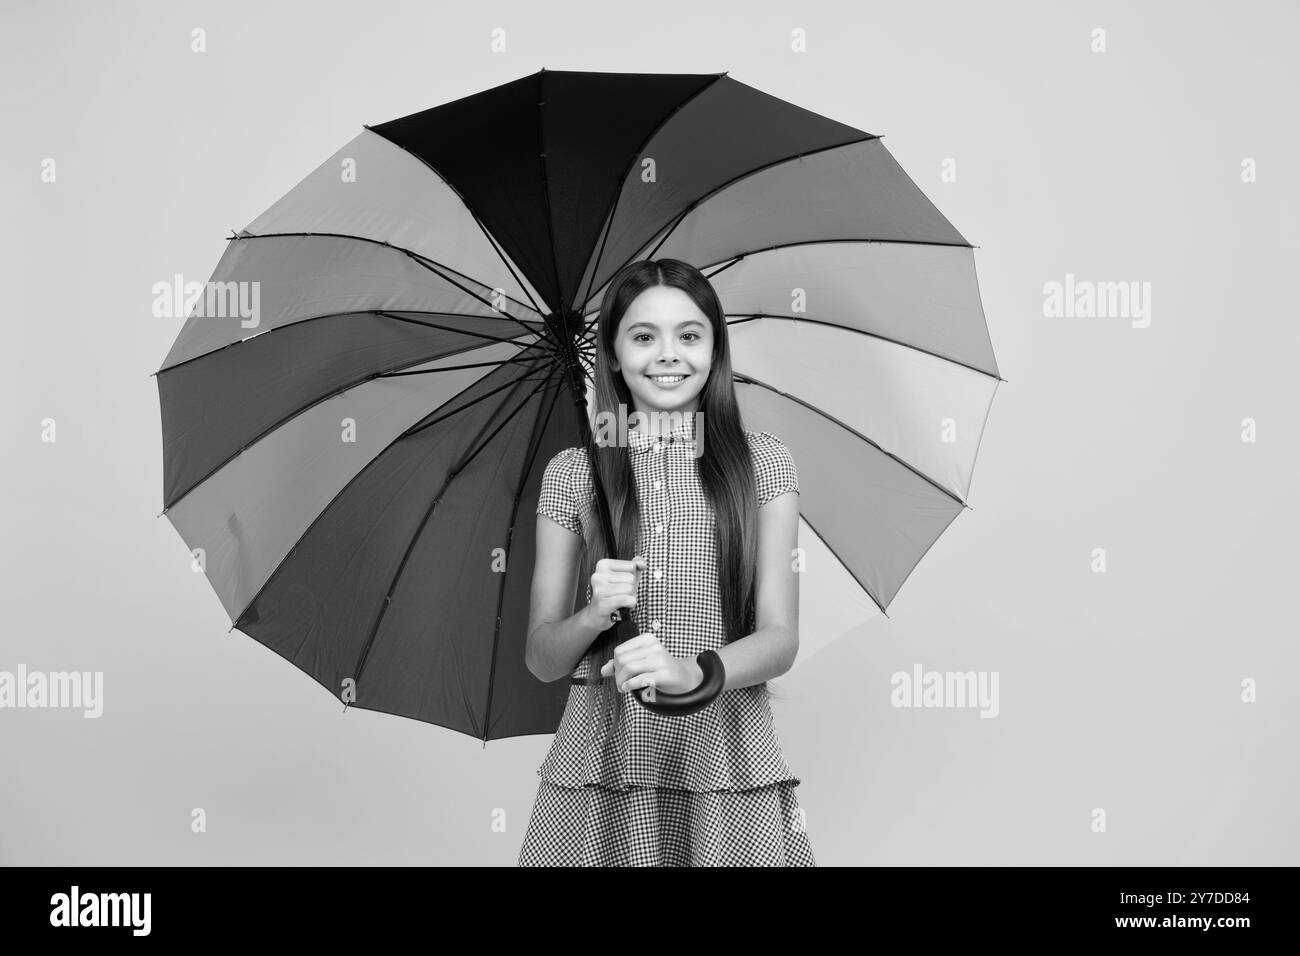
(690, 702)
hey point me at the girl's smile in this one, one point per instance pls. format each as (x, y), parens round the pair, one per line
(668, 381)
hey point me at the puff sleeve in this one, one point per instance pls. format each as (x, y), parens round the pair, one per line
(774, 470)
(557, 499)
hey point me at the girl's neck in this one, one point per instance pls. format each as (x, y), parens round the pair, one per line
(657, 423)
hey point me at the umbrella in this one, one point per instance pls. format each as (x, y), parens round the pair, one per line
(358, 410)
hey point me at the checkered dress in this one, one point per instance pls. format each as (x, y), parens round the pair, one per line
(712, 788)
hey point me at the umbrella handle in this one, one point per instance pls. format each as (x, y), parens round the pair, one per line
(689, 702)
(692, 701)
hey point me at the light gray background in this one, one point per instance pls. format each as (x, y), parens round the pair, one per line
(1118, 690)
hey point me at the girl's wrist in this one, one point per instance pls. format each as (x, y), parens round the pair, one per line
(595, 627)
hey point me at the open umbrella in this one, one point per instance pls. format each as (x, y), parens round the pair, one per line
(358, 411)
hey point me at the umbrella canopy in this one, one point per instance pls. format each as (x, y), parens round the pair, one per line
(356, 454)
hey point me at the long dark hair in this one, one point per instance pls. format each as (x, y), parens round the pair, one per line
(725, 468)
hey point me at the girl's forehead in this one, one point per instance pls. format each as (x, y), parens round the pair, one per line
(663, 306)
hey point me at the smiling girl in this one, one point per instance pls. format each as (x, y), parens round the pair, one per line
(705, 531)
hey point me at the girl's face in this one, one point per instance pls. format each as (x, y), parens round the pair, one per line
(663, 332)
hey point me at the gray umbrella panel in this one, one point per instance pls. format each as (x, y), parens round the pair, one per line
(323, 486)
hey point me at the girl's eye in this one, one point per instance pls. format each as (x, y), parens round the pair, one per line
(640, 335)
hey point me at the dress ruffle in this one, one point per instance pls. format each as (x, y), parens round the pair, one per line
(663, 826)
(731, 745)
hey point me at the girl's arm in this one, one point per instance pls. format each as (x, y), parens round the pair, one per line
(770, 651)
(557, 640)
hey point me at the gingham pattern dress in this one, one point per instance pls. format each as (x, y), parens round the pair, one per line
(709, 789)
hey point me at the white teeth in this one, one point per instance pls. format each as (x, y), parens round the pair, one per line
(667, 378)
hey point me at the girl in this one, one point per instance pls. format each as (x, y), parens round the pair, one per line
(705, 514)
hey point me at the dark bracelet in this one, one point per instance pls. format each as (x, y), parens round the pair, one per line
(681, 705)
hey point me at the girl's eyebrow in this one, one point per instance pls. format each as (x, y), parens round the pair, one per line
(680, 325)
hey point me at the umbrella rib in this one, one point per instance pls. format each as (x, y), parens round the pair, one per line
(447, 328)
(453, 368)
(334, 315)
(501, 589)
(618, 190)
(504, 259)
(753, 172)
(415, 430)
(861, 584)
(464, 202)
(424, 261)
(546, 188)
(428, 513)
(831, 418)
(672, 222)
(351, 481)
(742, 317)
(732, 260)
(586, 355)
(430, 266)
(339, 391)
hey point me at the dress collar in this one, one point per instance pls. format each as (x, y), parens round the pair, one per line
(683, 433)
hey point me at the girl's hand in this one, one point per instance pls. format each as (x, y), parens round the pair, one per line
(613, 587)
(644, 661)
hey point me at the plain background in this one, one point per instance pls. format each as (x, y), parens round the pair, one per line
(1119, 690)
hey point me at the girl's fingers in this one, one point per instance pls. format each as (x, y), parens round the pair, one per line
(645, 680)
(623, 661)
(621, 670)
(648, 664)
(640, 641)
(633, 657)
